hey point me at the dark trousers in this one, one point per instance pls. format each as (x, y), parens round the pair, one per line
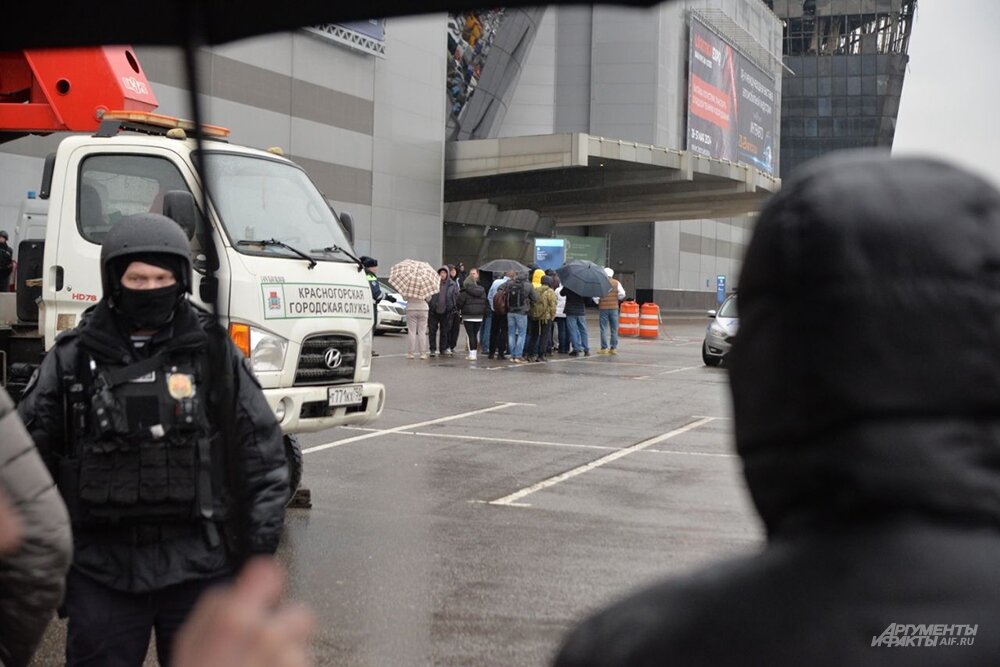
(498, 335)
(534, 337)
(539, 336)
(563, 335)
(472, 331)
(438, 325)
(108, 628)
(454, 330)
(5, 281)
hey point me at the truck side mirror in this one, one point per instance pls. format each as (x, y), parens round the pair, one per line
(347, 222)
(179, 206)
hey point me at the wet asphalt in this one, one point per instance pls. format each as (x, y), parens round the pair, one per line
(492, 505)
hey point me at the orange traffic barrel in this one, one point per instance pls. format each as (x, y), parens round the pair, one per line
(628, 319)
(649, 321)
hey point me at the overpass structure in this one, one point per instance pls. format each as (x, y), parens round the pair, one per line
(580, 179)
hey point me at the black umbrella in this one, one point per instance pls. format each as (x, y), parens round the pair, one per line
(503, 266)
(585, 278)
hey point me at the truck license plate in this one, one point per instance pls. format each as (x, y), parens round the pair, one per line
(348, 395)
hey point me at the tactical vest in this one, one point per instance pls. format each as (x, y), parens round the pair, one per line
(142, 451)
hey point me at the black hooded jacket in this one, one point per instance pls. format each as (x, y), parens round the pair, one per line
(151, 566)
(866, 391)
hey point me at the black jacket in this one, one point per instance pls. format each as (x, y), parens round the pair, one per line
(575, 304)
(866, 394)
(151, 566)
(472, 301)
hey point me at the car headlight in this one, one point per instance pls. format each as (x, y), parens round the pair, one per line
(718, 330)
(267, 351)
(382, 305)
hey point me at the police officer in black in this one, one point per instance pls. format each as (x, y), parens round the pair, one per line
(163, 446)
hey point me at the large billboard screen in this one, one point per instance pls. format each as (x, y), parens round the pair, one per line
(732, 105)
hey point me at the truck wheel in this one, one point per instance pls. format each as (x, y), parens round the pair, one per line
(293, 454)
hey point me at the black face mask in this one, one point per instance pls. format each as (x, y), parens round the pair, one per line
(148, 308)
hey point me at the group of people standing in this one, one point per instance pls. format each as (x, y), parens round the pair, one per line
(523, 317)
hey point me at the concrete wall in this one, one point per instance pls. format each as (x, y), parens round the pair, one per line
(369, 130)
(621, 73)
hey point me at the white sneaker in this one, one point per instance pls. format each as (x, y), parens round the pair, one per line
(409, 356)
(472, 355)
(423, 356)
(450, 352)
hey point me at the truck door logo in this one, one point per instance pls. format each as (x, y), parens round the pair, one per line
(332, 357)
(273, 301)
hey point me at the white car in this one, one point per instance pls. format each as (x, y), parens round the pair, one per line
(391, 316)
(719, 334)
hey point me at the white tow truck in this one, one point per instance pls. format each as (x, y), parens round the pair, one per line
(287, 285)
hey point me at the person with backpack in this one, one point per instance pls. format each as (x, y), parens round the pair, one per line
(497, 298)
(520, 296)
(540, 317)
(6, 262)
(471, 303)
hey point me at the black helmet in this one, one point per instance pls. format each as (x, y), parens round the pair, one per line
(144, 234)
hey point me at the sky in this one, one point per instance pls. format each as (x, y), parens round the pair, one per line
(951, 93)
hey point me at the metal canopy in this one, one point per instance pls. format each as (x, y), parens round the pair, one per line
(578, 179)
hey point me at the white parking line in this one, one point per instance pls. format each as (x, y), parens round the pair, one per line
(407, 427)
(671, 372)
(552, 481)
(542, 443)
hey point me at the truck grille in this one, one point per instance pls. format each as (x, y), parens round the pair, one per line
(313, 369)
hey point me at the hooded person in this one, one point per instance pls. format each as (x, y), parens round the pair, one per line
(152, 374)
(471, 303)
(540, 322)
(455, 323)
(866, 392)
(441, 312)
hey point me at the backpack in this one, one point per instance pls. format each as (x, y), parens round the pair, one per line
(500, 300)
(515, 298)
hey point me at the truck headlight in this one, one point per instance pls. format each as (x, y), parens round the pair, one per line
(265, 350)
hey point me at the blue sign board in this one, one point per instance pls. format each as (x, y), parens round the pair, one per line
(550, 253)
(720, 289)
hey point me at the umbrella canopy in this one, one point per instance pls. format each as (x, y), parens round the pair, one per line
(414, 279)
(84, 23)
(585, 278)
(503, 265)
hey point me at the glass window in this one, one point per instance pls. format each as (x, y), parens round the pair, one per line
(854, 85)
(115, 186)
(260, 199)
(824, 86)
(824, 106)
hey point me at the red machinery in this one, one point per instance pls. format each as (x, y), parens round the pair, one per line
(51, 90)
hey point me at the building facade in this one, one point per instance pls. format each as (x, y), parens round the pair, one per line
(845, 62)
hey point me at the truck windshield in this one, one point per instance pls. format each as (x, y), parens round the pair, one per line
(266, 200)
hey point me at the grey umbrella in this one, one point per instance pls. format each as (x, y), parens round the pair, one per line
(503, 265)
(585, 278)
